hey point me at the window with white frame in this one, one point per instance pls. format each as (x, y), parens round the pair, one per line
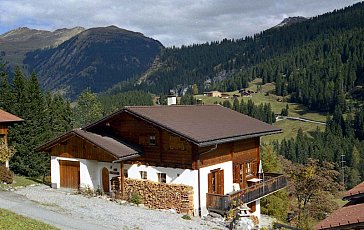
(143, 175)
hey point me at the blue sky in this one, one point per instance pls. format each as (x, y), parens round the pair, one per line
(171, 22)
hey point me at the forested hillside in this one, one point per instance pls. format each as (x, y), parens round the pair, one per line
(48, 115)
(317, 61)
(96, 58)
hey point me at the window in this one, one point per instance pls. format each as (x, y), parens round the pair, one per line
(248, 168)
(162, 177)
(143, 175)
(126, 173)
(152, 140)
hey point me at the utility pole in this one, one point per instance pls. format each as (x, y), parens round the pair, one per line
(342, 163)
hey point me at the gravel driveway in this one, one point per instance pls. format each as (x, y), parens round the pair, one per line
(109, 214)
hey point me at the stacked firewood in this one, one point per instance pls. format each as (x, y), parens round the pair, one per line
(158, 195)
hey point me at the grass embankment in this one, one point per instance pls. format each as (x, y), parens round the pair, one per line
(267, 95)
(10, 220)
(20, 181)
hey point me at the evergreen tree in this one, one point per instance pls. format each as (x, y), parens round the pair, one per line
(87, 110)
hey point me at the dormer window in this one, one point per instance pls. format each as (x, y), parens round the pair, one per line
(152, 140)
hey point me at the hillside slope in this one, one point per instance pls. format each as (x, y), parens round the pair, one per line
(16, 43)
(209, 64)
(96, 58)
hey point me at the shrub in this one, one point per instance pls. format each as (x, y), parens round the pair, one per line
(6, 176)
(135, 198)
(86, 191)
(186, 217)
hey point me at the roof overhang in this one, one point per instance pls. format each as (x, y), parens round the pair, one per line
(194, 141)
(130, 152)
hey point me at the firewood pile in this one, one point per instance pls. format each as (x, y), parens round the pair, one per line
(157, 195)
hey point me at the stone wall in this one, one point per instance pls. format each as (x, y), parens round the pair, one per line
(158, 195)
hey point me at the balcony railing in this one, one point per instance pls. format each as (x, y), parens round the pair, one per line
(221, 203)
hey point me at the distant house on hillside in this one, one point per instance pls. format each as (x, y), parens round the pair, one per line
(6, 119)
(351, 215)
(212, 94)
(209, 148)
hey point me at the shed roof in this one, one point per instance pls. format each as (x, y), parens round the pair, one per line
(115, 147)
(6, 117)
(202, 124)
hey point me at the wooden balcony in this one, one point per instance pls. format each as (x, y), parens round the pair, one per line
(221, 203)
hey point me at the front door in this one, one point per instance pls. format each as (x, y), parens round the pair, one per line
(105, 180)
(216, 182)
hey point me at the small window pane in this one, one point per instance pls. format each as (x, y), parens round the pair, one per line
(143, 175)
(162, 177)
(152, 140)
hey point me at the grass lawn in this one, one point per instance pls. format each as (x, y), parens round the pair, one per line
(267, 95)
(290, 129)
(10, 220)
(21, 181)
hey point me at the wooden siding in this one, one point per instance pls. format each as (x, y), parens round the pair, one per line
(238, 152)
(70, 174)
(169, 150)
(76, 147)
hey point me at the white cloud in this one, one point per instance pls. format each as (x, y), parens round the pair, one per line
(170, 21)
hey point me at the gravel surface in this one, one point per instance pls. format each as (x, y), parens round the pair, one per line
(110, 214)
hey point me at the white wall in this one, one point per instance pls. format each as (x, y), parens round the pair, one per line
(186, 177)
(90, 172)
(228, 181)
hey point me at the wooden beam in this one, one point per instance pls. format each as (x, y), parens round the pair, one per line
(122, 180)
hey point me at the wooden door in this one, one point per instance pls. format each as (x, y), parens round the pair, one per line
(70, 174)
(105, 180)
(216, 182)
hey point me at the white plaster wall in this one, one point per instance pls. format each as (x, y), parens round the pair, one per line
(90, 171)
(186, 177)
(257, 209)
(55, 179)
(228, 181)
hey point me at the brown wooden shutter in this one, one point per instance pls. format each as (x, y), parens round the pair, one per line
(220, 182)
(210, 175)
(236, 176)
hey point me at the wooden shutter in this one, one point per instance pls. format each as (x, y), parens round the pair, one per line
(220, 182)
(210, 176)
(236, 175)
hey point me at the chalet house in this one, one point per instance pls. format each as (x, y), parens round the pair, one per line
(6, 119)
(351, 215)
(213, 149)
(212, 94)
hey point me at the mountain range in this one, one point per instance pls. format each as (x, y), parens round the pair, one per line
(115, 60)
(71, 60)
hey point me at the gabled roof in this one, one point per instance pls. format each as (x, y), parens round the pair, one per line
(6, 117)
(115, 147)
(346, 217)
(201, 124)
(355, 192)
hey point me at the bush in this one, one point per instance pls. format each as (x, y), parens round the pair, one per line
(6, 176)
(135, 198)
(186, 217)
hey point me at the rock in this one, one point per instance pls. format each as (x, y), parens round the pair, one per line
(172, 210)
(141, 205)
